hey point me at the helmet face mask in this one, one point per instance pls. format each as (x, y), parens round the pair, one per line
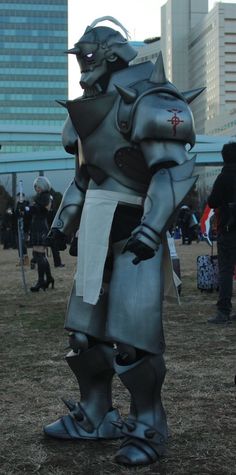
(93, 62)
(99, 52)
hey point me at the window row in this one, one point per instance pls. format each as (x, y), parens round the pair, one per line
(11, 33)
(12, 12)
(35, 7)
(46, 21)
(37, 121)
(24, 86)
(22, 81)
(31, 97)
(32, 59)
(31, 147)
(46, 105)
(39, 2)
(33, 115)
(32, 44)
(8, 68)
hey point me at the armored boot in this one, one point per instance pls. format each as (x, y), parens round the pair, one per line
(145, 430)
(92, 417)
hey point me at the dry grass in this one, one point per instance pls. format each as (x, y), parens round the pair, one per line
(199, 390)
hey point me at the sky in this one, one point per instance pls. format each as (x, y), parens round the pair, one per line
(142, 19)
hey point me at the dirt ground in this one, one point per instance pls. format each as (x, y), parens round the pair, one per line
(198, 393)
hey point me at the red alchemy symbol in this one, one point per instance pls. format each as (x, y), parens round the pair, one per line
(175, 120)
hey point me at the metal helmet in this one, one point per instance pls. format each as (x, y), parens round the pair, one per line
(99, 47)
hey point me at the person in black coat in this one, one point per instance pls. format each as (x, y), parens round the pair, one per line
(38, 232)
(8, 229)
(51, 215)
(183, 222)
(22, 211)
(223, 200)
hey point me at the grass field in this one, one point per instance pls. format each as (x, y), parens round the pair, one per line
(198, 393)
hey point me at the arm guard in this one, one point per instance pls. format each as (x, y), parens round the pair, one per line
(68, 215)
(162, 127)
(167, 189)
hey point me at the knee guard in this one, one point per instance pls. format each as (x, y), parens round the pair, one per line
(126, 354)
(78, 341)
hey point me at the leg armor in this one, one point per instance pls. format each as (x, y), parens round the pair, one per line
(145, 430)
(92, 417)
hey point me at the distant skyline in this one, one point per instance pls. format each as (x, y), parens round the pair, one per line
(142, 20)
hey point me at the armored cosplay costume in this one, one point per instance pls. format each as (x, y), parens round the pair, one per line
(129, 130)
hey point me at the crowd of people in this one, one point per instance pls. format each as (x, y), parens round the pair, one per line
(37, 216)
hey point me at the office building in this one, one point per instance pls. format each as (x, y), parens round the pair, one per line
(199, 49)
(33, 66)
(148, 50)
(178, 17)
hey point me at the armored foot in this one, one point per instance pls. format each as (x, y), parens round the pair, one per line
(77, 425)
(146, 430)
(91, 418)
(143, 445)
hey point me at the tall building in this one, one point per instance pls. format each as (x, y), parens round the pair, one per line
(212, 48)
(148, 50)
(178, 17)
(33, 66)
(222, 124)
(199, 50)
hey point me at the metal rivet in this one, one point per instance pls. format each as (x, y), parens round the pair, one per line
(130, 426)
(149, 433)
(79, 416)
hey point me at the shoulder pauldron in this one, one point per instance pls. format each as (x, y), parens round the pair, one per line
(147, 111)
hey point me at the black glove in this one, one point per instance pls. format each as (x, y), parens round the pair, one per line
(142, 244)
(141, 250)
(20, 209)
(73, 247)
(56, 239)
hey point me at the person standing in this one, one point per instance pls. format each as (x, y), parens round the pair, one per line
(7, 228)
(39, 230)
(51, 215)
(22, 210)
(184, 218)
(120, 204)
(223, 200)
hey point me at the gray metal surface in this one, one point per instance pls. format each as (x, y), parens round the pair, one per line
(146, 427)
(91, 418)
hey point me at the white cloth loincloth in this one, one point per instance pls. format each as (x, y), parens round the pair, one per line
(95, 226)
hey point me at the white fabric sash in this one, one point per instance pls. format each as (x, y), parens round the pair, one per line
(95, 226)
